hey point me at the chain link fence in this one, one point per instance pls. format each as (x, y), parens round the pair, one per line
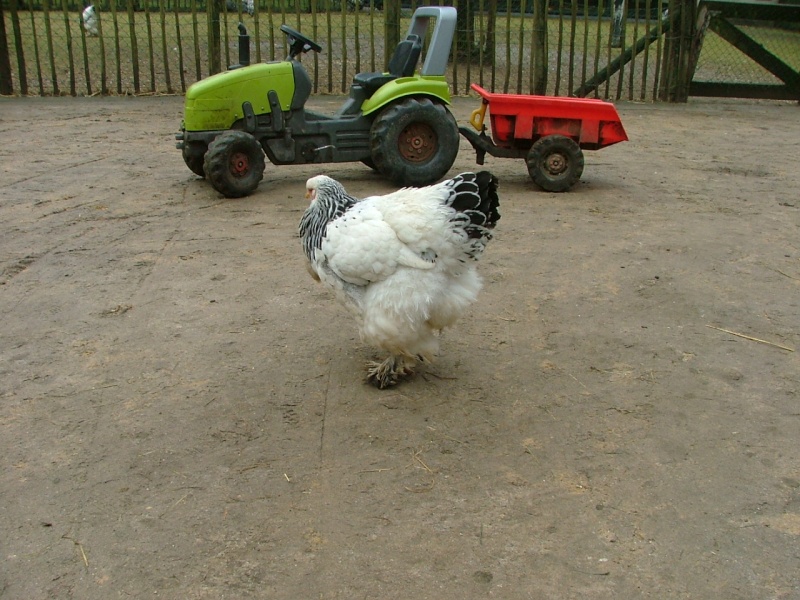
(750, 49)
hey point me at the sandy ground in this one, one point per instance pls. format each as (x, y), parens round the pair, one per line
(183, 413)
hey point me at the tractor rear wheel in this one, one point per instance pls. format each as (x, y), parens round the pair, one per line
(555, 163)
(234, 163)
(414, 142)
(194, 155)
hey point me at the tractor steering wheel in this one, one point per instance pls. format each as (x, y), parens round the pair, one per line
(298, 43)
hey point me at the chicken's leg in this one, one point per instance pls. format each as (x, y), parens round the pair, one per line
(389, 372)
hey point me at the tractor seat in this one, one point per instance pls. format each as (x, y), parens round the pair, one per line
(403, 63)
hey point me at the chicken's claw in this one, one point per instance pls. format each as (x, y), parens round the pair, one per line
(387, 373)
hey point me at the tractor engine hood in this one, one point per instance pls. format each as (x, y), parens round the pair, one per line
(215, 103)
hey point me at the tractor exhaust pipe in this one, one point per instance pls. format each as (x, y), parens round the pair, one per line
(244, 48)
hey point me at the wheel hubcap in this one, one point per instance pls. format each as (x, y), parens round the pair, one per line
(556, 163)
(239, 164)
(417, 142)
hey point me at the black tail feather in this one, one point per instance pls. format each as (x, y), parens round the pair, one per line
(475, 197)
(475, 200)
(466, 192)
(490, 201)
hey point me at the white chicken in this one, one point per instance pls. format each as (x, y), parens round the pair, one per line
(89, 19)
(403, 263)
(248, 6)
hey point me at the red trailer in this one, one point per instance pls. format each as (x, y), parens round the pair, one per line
(549, 132)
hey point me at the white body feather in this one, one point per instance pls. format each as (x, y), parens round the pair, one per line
(402, 267)
(89, 17)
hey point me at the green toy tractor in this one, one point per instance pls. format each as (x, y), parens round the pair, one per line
(395, 122)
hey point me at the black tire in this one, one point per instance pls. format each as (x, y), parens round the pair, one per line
(555, 163)
(194, 155)
(234, 163)
(370, 163)
(414, 142)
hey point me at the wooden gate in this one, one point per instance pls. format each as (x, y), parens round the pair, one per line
(768, 33)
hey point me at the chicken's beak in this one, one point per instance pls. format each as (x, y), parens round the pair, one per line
(309, 194)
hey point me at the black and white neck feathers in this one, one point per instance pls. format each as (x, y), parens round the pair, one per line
(329, 201)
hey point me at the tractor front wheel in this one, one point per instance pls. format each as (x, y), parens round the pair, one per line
(234, 163)
(414, 142)
(194, 155)
(555, 163)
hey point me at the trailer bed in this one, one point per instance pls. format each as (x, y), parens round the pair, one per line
(515, 118)
(549, 132)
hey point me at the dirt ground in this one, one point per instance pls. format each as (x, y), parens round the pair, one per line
(183, 413)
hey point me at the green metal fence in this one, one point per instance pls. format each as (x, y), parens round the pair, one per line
(614, 49)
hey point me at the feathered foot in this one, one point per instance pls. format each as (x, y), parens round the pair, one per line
(389, 372)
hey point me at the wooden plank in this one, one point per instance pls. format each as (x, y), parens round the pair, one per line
(743, 90)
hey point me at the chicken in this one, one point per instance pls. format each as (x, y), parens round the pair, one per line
(89, 19)
(248, 6)
(404, 264)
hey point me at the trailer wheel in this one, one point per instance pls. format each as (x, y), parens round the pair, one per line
(194, 155)
(555, 163)
(234, 163)
(414, 142)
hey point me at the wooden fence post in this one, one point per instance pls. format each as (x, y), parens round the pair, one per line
(6, 85)
(539, 47)
(686, 68)
(18, 44)
(391, 28)
(667, 82)
(214, 36)
(491, 37)
(678, 65)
